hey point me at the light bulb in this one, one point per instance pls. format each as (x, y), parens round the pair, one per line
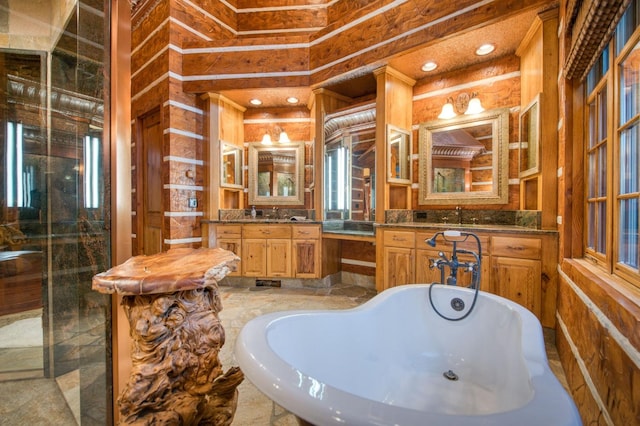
(475, 107)
(447, 111)
(284, 138)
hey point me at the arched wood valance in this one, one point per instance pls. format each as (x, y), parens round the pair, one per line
(591, 24)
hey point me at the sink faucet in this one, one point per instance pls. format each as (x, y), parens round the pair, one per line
(459, 214)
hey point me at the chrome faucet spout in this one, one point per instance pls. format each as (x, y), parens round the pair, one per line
(459, 214)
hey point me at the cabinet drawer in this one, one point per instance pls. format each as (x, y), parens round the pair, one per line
(441, 244)
(228, 231)
(266, 231)
(305, 231)
(523, 248)
(399, 239)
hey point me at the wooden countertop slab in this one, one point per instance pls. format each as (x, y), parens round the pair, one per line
(168, 272)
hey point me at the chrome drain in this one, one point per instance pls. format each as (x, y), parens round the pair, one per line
(457, 304)
(450, 375)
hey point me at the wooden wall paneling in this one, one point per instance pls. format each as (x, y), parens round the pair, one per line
(549, 280)
(549, 117)
(224, 120)
(211, 156)
(120, 133)
(273, 20)
(531, 56)
(397, 21)
(362, 251)
(222, 12)
(394, 103)
(609, 368)
(539, 59)
(331, 255)
(147, 20)
(204, 27)
(145, 53)
(290, 62)
(498, 85)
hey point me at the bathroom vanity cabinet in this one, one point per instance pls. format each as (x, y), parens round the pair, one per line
(399, 253)
(272, 250)
(229, 237)
(519, 265)
(266, 250)
(306, 251)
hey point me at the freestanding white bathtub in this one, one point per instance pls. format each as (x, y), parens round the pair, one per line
(394, 361)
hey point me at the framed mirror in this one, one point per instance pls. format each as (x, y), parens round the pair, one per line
(529, 146)
(350, 163)
(337, 172)
(465, 160)
(398, 155)
(231, 165)
(276, 174)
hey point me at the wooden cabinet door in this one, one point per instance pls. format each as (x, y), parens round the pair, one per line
(233, 245)
(254, 258)
(306, 258)
(398, 264)
(425, 274)
(518, 280)
(279, 258)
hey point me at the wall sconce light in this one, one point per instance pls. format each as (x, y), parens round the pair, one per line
(475, 107)
(447, 110)
(463, 104)
(282, 136)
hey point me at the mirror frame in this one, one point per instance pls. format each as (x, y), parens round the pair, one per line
(403, 135)
(254, 199)
(525, 117)
(499, 120)
(224, 148)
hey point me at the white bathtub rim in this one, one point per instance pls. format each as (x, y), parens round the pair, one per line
(550, 405)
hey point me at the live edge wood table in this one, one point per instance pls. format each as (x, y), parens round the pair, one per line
(172, 303)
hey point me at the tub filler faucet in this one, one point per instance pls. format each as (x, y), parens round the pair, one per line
(454, 264)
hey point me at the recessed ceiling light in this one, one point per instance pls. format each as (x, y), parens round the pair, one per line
(292, 100)
(255, 101)
(429, 66)
(485, 49)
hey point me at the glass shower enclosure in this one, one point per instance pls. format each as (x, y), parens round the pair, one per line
(54, 212)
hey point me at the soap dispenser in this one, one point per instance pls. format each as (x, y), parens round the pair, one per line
(253, 212)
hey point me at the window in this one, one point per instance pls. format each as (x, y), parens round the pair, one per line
(612, 153)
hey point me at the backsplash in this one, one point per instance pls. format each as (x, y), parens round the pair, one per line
(524, 218)
(267, 213)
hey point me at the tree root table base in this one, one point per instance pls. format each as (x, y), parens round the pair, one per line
(172, 303)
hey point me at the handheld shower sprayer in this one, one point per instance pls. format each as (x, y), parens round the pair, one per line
(455, 237)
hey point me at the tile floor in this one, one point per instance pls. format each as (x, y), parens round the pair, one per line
(42, 402)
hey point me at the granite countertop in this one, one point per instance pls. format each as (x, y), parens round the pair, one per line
(467, 227)
(258, 221)
(349, 232)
